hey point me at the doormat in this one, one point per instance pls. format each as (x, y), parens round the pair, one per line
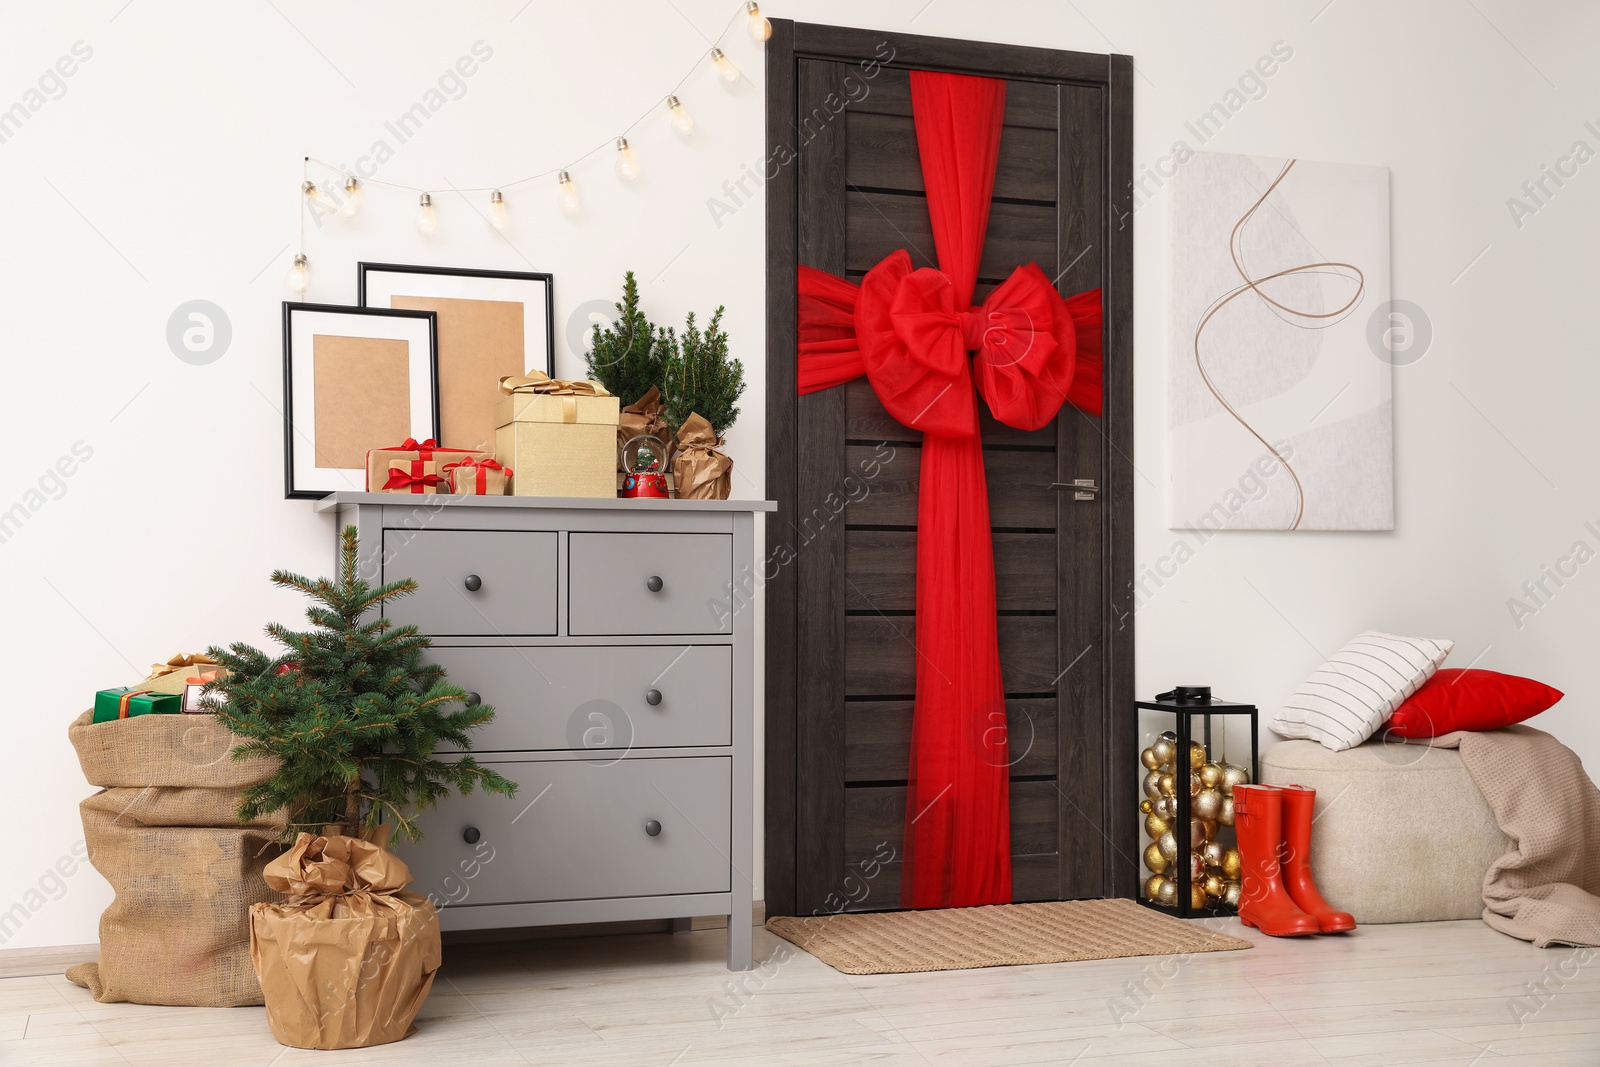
(998, 935)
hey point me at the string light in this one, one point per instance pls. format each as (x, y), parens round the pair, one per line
(499, 218)
(568, 196)
(760, 28)
(299, 277)
(679, 117)
(627, 162)
(309, 188)
(724, 67)
(352, 199)
(427, 217)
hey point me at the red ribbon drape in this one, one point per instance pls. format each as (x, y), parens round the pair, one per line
(909, 331)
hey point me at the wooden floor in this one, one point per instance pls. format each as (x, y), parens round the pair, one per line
(1438, 993)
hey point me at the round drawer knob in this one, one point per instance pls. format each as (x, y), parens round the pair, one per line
(653, 583)
(471, 835)
(653, 828)
(653, 697)
(473, 583)
(473, 700)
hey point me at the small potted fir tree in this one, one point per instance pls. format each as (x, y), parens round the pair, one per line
(629, 358)
(353, 716)
(702, 384)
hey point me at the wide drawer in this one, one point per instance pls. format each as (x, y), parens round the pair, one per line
(474, 582)
(581, 831)
(597, 696)
(650, 583)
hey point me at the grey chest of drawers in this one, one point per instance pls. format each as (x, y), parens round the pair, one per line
(619, 660)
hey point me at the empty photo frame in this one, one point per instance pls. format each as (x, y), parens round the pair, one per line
(353, 379)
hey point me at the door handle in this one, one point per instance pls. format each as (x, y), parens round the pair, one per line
(1082, 488)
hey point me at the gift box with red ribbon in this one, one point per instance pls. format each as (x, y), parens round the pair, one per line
(477, 477)
(414, 466)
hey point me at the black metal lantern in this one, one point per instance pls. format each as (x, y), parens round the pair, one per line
(1184, 784)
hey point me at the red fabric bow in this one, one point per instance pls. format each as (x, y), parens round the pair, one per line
(426, 447)
(412, 480)
(481, 469)
(909, 331)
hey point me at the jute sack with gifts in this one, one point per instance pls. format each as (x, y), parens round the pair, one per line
(700, 470)
(163, 831)
(348, 959)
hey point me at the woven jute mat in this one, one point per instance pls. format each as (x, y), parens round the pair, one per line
(1001, 935)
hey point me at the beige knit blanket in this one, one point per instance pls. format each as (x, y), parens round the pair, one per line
(1546, 889)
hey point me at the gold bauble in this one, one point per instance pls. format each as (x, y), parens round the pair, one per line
(1231, 864)
(1197, 895)
(1210, 775)
(1154, 861)
(1166, 807)
(1207, 804)
(1146, 806)
(1225, 816)
(1152, 886)
(1197, 755)
(1152, 785)
(1197, 868)
(1199, 833)
(1166, 785)
(1168, 844)
(1148, 758)
(1230, 894)
(1162, 750)
(1212, 852)
(1214, 886)
(1155, 826)
(1167, 892)
(1211, 828)
(1194, 783)
(1232, 775)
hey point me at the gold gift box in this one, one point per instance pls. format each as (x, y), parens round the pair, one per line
(558, 444)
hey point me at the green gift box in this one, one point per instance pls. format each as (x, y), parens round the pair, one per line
(125, 702)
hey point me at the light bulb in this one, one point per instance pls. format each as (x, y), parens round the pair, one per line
(760, 28)
(724, 66)
(310, 189)
(499, 218)
(299, 277)
(567, 196)
(352, 199)
(427, 217)
(679, 115)
(627, 162)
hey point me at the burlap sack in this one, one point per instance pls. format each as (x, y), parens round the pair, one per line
(164, 834)
(348, 959)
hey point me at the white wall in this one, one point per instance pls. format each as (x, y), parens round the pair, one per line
(168, 171)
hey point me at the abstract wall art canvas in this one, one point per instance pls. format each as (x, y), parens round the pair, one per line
(1279, 410)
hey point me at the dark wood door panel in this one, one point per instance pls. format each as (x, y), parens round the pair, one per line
(883, 155)
(866, 420)
(878, 739)
(1019, 488)
(1031, 104)
(882, 222)
(881, 570)
(880, 654)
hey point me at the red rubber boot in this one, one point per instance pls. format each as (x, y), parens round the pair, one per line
(1264, 903)
(1298, 802)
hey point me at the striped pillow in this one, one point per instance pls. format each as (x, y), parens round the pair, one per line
(1353, 694)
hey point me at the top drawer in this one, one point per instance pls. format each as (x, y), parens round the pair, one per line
(650, 583)
(474, 582)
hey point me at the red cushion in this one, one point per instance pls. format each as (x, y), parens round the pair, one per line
(1465, 699)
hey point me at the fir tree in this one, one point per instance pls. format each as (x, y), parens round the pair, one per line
(629, 356)
(702, 378)
(349, 710)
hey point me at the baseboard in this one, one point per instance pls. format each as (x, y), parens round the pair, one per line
(32, 962)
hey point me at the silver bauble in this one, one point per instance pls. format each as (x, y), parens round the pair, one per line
(1232, 775)
(1225, 816)
(1168, 844)
(1152, 785)
(1207, 804)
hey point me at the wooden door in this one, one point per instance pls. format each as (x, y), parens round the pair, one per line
(841, 578)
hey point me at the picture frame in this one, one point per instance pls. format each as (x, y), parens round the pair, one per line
(492, 323)
(354, 379)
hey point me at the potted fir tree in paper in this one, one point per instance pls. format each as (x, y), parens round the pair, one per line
(353, 716)
(703, 385)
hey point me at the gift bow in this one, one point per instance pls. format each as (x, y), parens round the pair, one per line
(180, 662)
(481, 469)
(400, 478)
(538, 381)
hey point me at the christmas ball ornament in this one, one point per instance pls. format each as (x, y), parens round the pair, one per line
(1148, 758)
(1214, 886)
(1152, 886)
(1152, 785)
(1155, 826)
(1232, 775)
(1199, 832)
(1230, 894)
(1210, 775)
(1166, 807)
(1197, 895)
(1146, 806)
(1168, 844)
(1225, 816)
(1197, 755)
(1207, 804)
(1212, 852)
(1167, 785)
(1231, 864)
(1162, 750)
(1211, 828)
(1194, 783)
(1167, 892)
(1197, 868)
(1154, 861)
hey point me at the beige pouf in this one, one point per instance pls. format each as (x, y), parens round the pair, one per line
(1401, 832)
